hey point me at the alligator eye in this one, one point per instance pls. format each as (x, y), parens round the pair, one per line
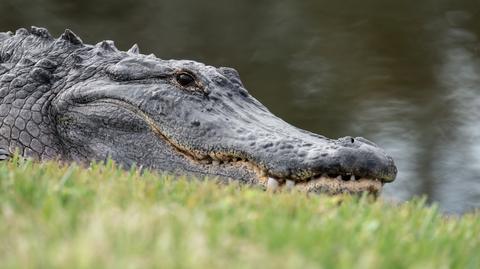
(185, 79)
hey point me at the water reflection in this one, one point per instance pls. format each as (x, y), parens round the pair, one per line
(404, 74)
(459, 74)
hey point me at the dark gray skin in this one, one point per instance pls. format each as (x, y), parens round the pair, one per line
(62, 99)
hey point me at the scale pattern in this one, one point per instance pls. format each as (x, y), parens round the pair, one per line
(34, 68)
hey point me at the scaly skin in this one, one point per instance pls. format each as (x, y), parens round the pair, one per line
(62, 99)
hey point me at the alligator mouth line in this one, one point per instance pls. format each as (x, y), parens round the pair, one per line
(320, 183)
(317, 183)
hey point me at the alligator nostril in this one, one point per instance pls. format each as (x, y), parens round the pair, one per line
(352, 140)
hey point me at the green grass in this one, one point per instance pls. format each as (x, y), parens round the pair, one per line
(54, 216)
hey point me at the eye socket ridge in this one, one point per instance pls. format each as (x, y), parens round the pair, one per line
(185, 78)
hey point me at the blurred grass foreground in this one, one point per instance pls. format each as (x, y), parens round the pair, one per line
(66, 216)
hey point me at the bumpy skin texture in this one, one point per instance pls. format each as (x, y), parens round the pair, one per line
(62, 99)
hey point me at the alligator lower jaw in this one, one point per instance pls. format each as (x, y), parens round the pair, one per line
(326, 185)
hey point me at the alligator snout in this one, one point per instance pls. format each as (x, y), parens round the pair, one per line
(316, 156)
(320, 164)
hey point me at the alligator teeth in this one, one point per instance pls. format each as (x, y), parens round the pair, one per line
(272, 184)
(216, 162)
(339, 178)
(289, 184)
(352, 177)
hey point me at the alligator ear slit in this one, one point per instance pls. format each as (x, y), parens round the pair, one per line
(71, 37)
(134, 49)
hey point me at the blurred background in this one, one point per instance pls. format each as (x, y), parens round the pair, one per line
(405, 74)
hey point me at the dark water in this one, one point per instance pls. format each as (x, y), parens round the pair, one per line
(405, 74)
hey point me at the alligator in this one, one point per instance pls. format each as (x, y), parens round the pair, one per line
(61, 99)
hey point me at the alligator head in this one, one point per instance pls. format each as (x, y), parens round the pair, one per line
(185, 117)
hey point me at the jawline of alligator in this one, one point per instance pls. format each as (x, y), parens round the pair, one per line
(310, 182)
